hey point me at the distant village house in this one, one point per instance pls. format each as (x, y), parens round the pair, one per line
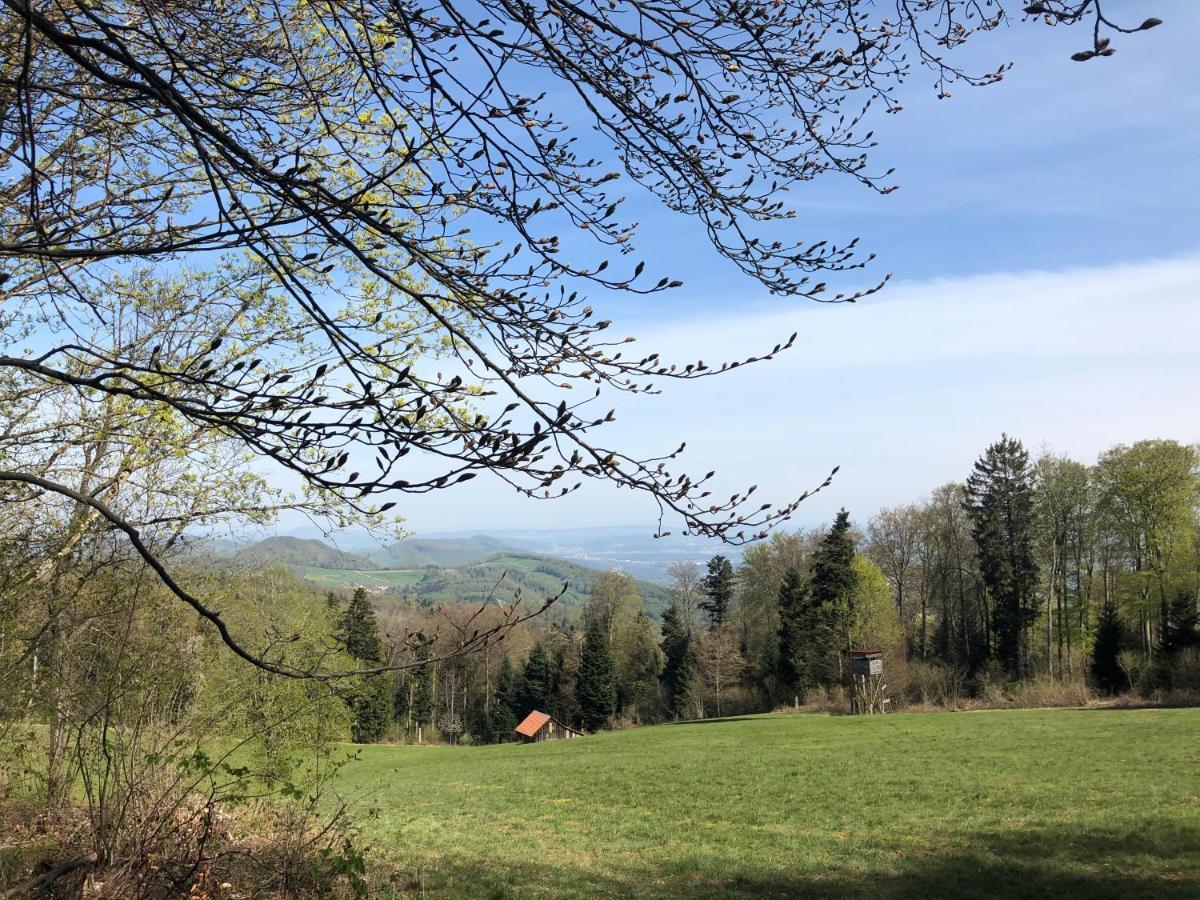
(540, 726)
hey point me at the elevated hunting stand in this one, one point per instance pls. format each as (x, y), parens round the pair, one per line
(868, 692)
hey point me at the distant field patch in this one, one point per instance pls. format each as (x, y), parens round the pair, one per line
(1038, 803)
(368, 578)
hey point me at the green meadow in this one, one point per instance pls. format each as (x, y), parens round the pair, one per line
(1035, 803)
(368, 578)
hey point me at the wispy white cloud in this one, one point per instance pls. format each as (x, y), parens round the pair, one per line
(903, 391)
(1126, 312)
(906, 389)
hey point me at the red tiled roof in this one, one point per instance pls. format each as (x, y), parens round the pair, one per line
(532, 723)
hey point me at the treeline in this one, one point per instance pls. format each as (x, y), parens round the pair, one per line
(1053, 567)
(1030, 569)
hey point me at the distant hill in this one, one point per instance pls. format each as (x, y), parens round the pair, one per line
(632, 549)
(416, 553)
(203, 547)
(537, 577)
(435, 571)
(298, 553)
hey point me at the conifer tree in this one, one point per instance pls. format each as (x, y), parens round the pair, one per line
(562, 692)
(1180, 630)
(423, 700)
(371, 698)
(479, 721)
(825, 627)
(504, 701)
(1107, 673)
(832, 566)
(999, 500)
(679, 668)
(718, 590)
(796, 622)
(537, 683)
(358, 629)
(595, 685)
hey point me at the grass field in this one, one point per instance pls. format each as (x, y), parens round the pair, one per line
(371, 578)
(1037, 803)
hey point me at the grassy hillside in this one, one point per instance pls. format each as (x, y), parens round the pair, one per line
(416, 553)
(1041, 803)
(372, 579)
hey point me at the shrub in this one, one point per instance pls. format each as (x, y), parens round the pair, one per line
(826, 699)
(1046, 691)
(189, 825)
(1133, 664)
(934, 684)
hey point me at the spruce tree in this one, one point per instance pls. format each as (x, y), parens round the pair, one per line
(796, 621)
(479, 722)
(824, 628)
(832, 565)
(1106, 667)
(371, 698)
(559, 682)
(504, 716)
(373, 711)
(595, 685)
(1181, 629)
(358, 629)
(537, 682)
(1178, 632)
(423, 700)
(999, 500)
(679, 668)
(718, 590)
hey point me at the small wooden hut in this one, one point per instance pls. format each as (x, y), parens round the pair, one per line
(540, 726)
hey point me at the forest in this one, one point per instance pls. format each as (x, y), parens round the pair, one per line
(1033, 581)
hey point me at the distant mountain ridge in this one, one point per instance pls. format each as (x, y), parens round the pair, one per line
(299, 552)
(630, 548)
(534, 576)
(415, 553)
(410, 553)
(476, 569)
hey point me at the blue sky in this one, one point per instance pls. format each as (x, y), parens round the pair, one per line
(1045, 243)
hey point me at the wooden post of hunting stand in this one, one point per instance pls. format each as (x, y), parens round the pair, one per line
(868, 692)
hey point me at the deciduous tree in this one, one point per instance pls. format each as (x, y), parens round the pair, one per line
(1148, 494)
(894, 543)
(720, 665)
